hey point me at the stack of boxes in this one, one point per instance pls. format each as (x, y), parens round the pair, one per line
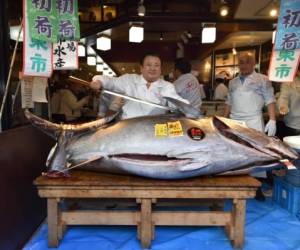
(286, 192)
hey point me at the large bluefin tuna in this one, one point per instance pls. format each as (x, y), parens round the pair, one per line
(165, 147)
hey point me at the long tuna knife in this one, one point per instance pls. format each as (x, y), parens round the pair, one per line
(86, 83)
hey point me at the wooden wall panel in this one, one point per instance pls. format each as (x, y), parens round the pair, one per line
(23, 153)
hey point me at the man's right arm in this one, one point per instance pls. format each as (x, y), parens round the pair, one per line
(111, 83)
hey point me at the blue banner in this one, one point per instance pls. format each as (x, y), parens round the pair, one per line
(288, 27)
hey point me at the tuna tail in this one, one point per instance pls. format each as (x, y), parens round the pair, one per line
(188, 110)
(55, 130)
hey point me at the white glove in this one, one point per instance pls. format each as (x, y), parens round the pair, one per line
(271, 128)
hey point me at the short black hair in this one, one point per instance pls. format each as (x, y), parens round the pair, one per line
(149, 54)
(182, 65)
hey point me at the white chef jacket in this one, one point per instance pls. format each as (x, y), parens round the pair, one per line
(188, 87)
(221, 92)
(247, 99)
(290, 98)
(135, 85)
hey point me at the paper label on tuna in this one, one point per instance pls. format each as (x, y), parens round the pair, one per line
(161, 130)
(175, 128)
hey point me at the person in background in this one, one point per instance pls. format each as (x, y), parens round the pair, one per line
(146, 86)
(70, 106)
(186, 84)
(248, 93)
(65, 102)
(221, 90)
(289, 105)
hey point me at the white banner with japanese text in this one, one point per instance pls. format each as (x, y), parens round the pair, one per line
(65, 55)
(283, 65)
(37, 55)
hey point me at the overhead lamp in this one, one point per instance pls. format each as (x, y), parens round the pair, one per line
(141, 8)
(14, 33)
(91, 51)
(234, 51)
(208, 34)
(136, 34)
(99, 59)
(91, 60)
(103, 43)
(274, 9)
(81, 50)
(99, 67)
(161, 37)
(273, 12)
(224, 10)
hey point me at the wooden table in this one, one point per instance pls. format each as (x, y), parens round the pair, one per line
(146, 192)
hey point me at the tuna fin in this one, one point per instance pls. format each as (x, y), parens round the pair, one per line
(194, 166)
(188, 110)
(54, 130)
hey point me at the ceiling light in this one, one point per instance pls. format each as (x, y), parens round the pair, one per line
(274, 9)
(209, 34)
(99, 67)
(136, 34)
(91, 51)
(91, 60)
(273, 12)
(234, 51)
(81, 50)
(14, 33)
(103, 43)
(161, 37)
(99, 59)
(141, 9)
(224, 10)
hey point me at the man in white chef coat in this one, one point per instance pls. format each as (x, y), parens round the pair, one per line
(248, 93)
(146, 86)
(186, 84)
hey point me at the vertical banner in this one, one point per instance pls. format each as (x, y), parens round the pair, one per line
(65, 55)
(51, 20)
(68, 24)
(37, 54)
(286, 51)
(283, 65)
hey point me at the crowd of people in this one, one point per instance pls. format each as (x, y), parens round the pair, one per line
(245, 96)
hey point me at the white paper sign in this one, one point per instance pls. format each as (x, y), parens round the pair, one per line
(65, 55)
(283, 65)
(39, 89)
(26, 93)
(37, 55)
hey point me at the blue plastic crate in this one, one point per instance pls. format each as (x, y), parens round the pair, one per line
(287, 195)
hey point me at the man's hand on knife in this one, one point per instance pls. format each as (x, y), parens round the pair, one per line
(96, 85)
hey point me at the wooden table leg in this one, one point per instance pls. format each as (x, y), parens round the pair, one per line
(52, 208)
(239, 210)
(146, 223)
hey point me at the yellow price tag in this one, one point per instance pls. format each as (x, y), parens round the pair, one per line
(175, 128)
(161, 130)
